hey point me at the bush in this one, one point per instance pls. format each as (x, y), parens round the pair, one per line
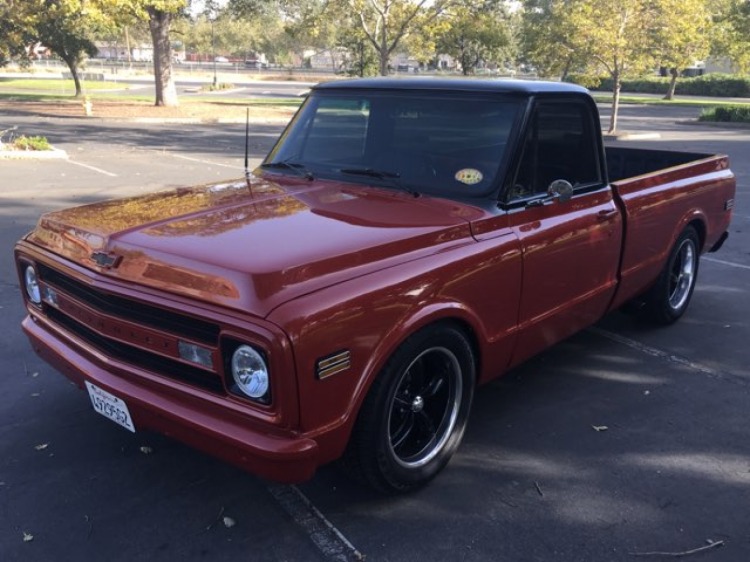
(30, 143)
(728, 114)
(713, 85)
(217, 87)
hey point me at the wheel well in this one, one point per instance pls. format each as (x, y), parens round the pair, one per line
(471, 337)
(700, 228)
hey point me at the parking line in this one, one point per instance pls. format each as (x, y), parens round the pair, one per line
(206, 162)
(94, 168)
(729, 263)
(334, 546)
(668, 357)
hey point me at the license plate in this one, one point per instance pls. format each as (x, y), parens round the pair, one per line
(110, 406)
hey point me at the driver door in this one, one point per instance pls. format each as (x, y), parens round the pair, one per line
(570, 244)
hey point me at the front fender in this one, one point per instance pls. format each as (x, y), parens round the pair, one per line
(477, 285)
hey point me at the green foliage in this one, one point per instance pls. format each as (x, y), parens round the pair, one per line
(731, 114)
(731, 32)
(218, 87)
(30, 143)
(712, 85)
(476, 31)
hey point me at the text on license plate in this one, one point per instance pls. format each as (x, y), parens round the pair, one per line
(110, 406)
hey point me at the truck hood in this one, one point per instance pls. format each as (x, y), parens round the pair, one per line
(253, 247)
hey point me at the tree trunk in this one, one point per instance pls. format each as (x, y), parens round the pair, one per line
(674, 73)
(159, 22)
(383, 50)
(616, 86)
(566, 69)
(383, 55)
(73, 67)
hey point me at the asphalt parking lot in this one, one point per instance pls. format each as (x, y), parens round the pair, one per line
(534, 479)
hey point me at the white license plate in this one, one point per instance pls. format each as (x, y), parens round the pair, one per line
(110, 406)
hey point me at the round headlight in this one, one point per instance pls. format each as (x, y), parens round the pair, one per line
(250, 372)
(32, 285)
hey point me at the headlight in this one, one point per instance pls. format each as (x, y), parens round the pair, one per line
(32, 285)
(250, 372)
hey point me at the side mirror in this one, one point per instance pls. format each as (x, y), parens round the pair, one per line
(562, 190)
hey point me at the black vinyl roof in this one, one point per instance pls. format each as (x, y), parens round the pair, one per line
(505, 86)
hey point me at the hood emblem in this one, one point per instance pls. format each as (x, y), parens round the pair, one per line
(105, 260)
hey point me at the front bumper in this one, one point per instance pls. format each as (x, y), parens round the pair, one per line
(182, 416)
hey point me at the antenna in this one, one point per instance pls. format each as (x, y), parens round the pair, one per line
(247, 146)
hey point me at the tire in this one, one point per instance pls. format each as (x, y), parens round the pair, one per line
(415, 413)
(669, 298)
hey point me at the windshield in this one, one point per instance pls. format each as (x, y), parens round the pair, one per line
(419, 141)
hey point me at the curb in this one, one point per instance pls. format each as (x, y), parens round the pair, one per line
(631, 136)
(716, 124)
(53, 154)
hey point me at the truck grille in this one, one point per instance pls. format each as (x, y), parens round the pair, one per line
(129, 331)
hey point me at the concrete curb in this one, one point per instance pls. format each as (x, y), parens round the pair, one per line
(715, 124)
(631, 136)
(53, 154)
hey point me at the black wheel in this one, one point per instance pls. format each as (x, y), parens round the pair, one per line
(416, 411)
(669, 298)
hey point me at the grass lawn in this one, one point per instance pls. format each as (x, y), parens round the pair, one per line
(655, 100)
(59, 86)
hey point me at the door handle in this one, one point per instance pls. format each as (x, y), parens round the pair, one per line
(606, 214)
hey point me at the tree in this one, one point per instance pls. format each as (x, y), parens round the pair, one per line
(547, 39)
(386, 22)
(731, 37)
(67, 28)
(476, 31)
(617, 37)
(683, 36)
(16, 30)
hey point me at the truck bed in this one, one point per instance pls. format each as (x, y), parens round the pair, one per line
(660, 193)
(624, 163)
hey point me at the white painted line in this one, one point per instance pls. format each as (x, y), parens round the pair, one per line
(94, 168)
(729, 263)
(670, 358)
(207, 161)
(653, 352)
(328, 539)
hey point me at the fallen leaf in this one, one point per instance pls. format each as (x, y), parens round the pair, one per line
(599, 427)
(27, 537)
(229, 522)
(34, 374)
(42, 446)
(146, 450)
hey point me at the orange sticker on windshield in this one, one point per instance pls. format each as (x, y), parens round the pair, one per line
(469, 176)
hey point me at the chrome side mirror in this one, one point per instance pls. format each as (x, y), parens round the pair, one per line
(562, 190)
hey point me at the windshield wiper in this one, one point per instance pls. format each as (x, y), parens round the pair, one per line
(297, 168)
(390, 177)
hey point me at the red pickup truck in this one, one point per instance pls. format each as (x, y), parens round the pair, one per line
(404, 242)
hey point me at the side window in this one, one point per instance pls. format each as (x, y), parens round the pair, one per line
(559, 145)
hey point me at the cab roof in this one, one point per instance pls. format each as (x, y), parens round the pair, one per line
(505, 86)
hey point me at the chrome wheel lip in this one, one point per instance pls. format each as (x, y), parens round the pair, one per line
(449, 417)
(682, 275)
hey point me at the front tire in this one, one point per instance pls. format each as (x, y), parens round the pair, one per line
(414, 416)
(669, 298)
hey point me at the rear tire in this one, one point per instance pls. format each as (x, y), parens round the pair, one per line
(415, 413)
(669, 298)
